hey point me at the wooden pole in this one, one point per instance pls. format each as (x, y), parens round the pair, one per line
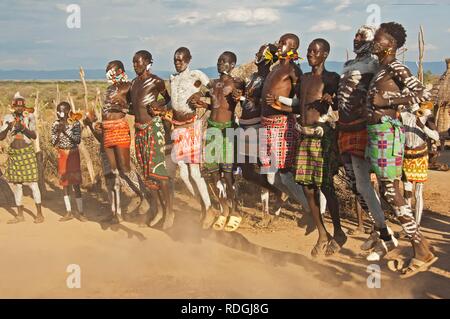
(86, 133)
(83, 80)
(421, 52)
(37, 142)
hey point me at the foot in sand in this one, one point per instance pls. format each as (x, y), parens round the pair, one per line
(16, 220)
(335, 244)
(168, 220)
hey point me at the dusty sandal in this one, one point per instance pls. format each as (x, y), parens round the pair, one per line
(220, 223)
(415, 266)
(395, 265)
(233, 223)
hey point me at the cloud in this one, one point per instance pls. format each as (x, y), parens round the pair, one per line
(250, 17)
(43, 41)
(190, 18)
(61, 6)
(245, 16)
(339, 4)
(329, 25)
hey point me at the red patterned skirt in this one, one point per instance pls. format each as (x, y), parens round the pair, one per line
(278, 143)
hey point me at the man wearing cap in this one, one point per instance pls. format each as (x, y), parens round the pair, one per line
(19, 127)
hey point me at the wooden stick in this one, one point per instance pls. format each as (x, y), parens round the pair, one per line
(37, 143)
(36, 116)
(83, 80)
(421, 52)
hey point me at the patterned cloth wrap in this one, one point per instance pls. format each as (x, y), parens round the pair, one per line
(316, 162)
(280, 140)
(22, 165)
(223, 162)
(188, 140)
(69, 169)
(385, 148)
(116, 133)
(149, 144)
(352, 138)
(415, 164)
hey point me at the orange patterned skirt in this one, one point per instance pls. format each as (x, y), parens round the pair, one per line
(116, 133)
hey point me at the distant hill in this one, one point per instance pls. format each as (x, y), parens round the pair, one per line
(93, 74)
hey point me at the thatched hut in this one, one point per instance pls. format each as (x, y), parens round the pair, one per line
(443, 102)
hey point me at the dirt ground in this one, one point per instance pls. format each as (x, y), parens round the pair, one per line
(126, 261)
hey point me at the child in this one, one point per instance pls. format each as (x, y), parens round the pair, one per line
(66, 136)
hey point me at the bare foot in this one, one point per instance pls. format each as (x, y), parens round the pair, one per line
(319, 248)
(82, 218)
(168, 220)
(209, 219)
(156, 219)
(356, 231)
(16, 220)
(335, 244)
(39, 219)
(66, 217)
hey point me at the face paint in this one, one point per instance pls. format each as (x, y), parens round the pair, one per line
(114, 77)
(60, 114)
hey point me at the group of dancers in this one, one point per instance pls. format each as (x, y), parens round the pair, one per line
(292, 132)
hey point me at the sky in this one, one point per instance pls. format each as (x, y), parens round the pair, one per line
(34, 34)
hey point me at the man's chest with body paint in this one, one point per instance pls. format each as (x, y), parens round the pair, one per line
(182, 88)
(221, 91)
(145, 92)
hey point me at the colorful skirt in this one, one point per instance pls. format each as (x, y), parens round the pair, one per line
(352, 142)
(415, 164)
(116, 133)
(187, 145)
(22, 165)
(278, 144)
(385, 148)
(218, 155)
(315, 161)
(149, 145)
(69, 167)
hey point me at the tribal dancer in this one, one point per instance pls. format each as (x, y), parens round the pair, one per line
(20, 127)
(392, 89)
(116, 135)
(188, 133)
(316, 158)
(148, 100)
(218, 165)
(278, 143)
(66, 136)
(419, 126)
(352, 139)
(250, 121)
